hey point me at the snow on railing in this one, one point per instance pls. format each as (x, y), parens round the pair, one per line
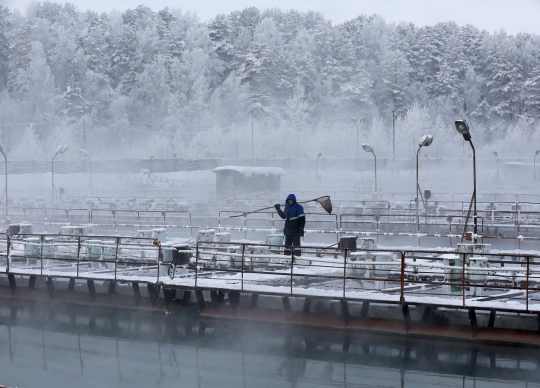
(428, 277)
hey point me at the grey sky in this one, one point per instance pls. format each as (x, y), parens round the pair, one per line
(512, 15)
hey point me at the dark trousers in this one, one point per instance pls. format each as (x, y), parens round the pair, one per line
(292, 241)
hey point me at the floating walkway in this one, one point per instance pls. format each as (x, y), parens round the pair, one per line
(240, 280)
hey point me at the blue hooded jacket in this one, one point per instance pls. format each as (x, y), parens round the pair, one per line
(294, 217)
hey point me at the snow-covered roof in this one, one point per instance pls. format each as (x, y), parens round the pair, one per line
(249, 171)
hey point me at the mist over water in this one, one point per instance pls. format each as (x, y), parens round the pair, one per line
(53, 346)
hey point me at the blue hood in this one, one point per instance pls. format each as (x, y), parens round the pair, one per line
(291, 196)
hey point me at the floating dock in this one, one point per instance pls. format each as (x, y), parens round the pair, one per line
(331, 288)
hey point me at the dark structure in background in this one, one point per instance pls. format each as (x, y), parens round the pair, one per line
(231, 180)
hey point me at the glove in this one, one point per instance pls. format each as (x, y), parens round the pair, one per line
(301, 232)
(277, 206)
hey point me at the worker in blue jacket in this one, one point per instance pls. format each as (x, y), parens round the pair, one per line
(295, 220)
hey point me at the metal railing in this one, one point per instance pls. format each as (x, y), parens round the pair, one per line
(502, 281)
(506, 281)
(90, 257)
(110, 217)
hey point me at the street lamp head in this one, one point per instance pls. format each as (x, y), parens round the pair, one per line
(84, 153)
(425, 141)
(537, 152)
(320, 154)
(61, 149)
(495, 153)
(368, 148)
(463, 128)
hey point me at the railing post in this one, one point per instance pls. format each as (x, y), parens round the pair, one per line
(344, 271)
(8, 242)
(41, 253)
(402, 279)
(158, 264)
(196, 263)
(527, 285)
(242, 273)
(292, 264)
(116, 258)
(463, 277)
(78, 253)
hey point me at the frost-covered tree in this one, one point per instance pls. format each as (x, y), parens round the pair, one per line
(5, 32)
(356, 94)
(504, 79)
(192, 79)
(29, 147)
(35, 85)
(229, 102)
(125, 59)
(73, 100)
(396, 72)
(298, 108)
(531, 93)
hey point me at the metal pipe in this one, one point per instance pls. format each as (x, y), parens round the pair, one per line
(417, 192)
(475, 214)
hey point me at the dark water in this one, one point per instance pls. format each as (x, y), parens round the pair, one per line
(73, 347)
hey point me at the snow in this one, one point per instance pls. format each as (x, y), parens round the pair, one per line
(250, 171)
(325, 276)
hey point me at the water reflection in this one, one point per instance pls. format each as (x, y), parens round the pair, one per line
(51, 347)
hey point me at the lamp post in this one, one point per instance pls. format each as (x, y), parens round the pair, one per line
(370, 149)
(534, 164)
(497, 156)
(316, 167)
(85, 154)
(60, 150)
(425, 141)
(463, 128)
(5, 157)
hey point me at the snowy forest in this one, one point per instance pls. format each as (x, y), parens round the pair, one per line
(140, 83)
